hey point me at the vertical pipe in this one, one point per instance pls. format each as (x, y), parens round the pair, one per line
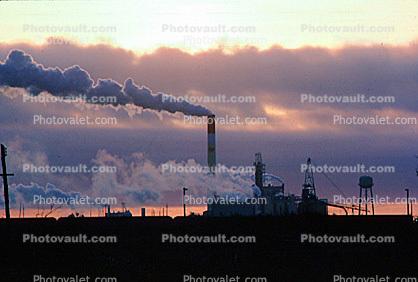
(211, 144)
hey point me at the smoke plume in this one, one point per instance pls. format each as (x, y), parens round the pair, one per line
(137, 180)
(20, 70)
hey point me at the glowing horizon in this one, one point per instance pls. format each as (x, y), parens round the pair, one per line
(194, 27)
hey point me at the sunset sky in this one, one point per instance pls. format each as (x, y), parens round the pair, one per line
(141, 26)
(274, 51)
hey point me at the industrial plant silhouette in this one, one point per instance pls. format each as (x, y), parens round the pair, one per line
(278, 254)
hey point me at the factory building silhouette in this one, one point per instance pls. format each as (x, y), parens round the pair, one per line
(272, 200)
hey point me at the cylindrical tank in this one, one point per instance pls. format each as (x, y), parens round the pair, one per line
(366, 181)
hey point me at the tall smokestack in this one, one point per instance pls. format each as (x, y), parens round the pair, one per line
(211, 143)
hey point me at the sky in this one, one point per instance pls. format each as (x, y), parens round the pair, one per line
(144, 26)
(282, 59)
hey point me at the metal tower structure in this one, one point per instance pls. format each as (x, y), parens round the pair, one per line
(308, 191)
(260, 170)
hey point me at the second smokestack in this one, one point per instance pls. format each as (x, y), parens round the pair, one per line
(211, 143)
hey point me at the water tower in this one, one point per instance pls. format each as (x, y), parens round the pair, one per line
(366, 185)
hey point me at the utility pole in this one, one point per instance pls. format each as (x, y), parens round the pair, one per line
(407, 201)
(184, 201)
(5, 182)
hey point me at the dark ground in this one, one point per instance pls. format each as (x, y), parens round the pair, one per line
(278, 254)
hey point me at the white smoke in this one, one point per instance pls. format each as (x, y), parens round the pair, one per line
(140, 180)
(137, 180)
